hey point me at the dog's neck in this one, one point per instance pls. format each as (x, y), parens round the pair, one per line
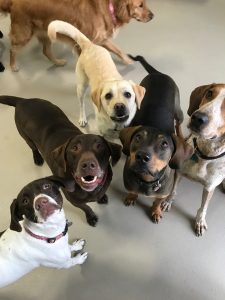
(54, 225)
(212, 147)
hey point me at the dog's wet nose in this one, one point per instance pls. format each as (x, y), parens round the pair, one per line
(143, 157)
(89, 165)
(41, 203)
(151, 15)
(120, 109)
(199, 119)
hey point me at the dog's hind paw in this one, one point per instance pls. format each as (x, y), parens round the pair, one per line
(77, 245)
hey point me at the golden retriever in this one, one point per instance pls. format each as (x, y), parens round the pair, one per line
(97, 19)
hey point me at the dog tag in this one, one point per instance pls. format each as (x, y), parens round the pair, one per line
(156, 186)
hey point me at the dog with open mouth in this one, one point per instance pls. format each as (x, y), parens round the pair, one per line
(85, 158)
(38, 233)
(207, 165)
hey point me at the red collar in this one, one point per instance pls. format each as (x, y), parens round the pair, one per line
(112, 11)
(44, 238)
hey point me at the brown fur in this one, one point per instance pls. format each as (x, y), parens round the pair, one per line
(91, 17)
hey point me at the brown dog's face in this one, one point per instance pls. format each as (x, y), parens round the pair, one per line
(38, 200)
(87, 158)
(207, 111)
(150, 153)
(139, 11)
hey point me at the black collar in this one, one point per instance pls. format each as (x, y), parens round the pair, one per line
(202, 155)
(156, 184)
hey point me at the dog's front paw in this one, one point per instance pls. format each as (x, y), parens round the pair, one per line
(103, 200)
(156, 216)
(78, 245)
(60, 62)
(200, 227)
(166, 205)
(81, 257)
(130, 199)
(92, 220)
(82, 122)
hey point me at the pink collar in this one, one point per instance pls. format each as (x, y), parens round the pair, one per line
(112, 11)
(44, 238)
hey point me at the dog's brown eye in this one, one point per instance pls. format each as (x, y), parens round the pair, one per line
(25, 201)
(108, 96)
(164, 144)
(46, 186)
(127, 94)
(138, 138)
(209, 94)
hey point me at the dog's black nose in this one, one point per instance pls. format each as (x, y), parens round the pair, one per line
(120, 109)
(198, 120)
(151, 15)
(88, 165)
(142, 157)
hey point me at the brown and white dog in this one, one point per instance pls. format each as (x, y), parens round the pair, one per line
(207, 165)
(38, 232)
(116, 99)
(98, 20)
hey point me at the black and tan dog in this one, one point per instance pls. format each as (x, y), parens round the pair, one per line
(69, 153)
(152, 148)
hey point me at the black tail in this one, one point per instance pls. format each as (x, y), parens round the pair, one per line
(10, 100)
(144, 63)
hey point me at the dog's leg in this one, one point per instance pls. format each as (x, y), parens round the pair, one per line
(108, 44)
(20, 35)
(156, 211)
(47, 51)
(91, 217)
(167, 203)
(82, 82)
(79, 259)
(38, 159)
(130, 199)
(77, 245)
(200, 222)
(103, 200)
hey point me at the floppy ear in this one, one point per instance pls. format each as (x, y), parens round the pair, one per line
(115, 151)
(67, 184)
(139, 93)
(196, 98)
(96, 98)
(126, 136)
(123, 11)
(59, 155)
(182, 152)
(16, 216)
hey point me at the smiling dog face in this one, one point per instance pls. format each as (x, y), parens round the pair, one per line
(207, 111)
(119, 100)
(87, 158)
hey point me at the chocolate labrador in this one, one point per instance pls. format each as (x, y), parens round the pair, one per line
(68, 152)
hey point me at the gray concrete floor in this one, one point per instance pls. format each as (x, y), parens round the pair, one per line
(129, 256)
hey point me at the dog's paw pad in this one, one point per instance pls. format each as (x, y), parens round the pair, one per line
(81, 257)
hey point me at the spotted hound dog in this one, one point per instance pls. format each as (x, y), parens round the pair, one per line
(207, 164)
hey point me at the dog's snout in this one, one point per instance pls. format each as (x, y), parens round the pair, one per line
(142, 157)
(89, 165)
(120, 109)
(199, 119)
(41, 203)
